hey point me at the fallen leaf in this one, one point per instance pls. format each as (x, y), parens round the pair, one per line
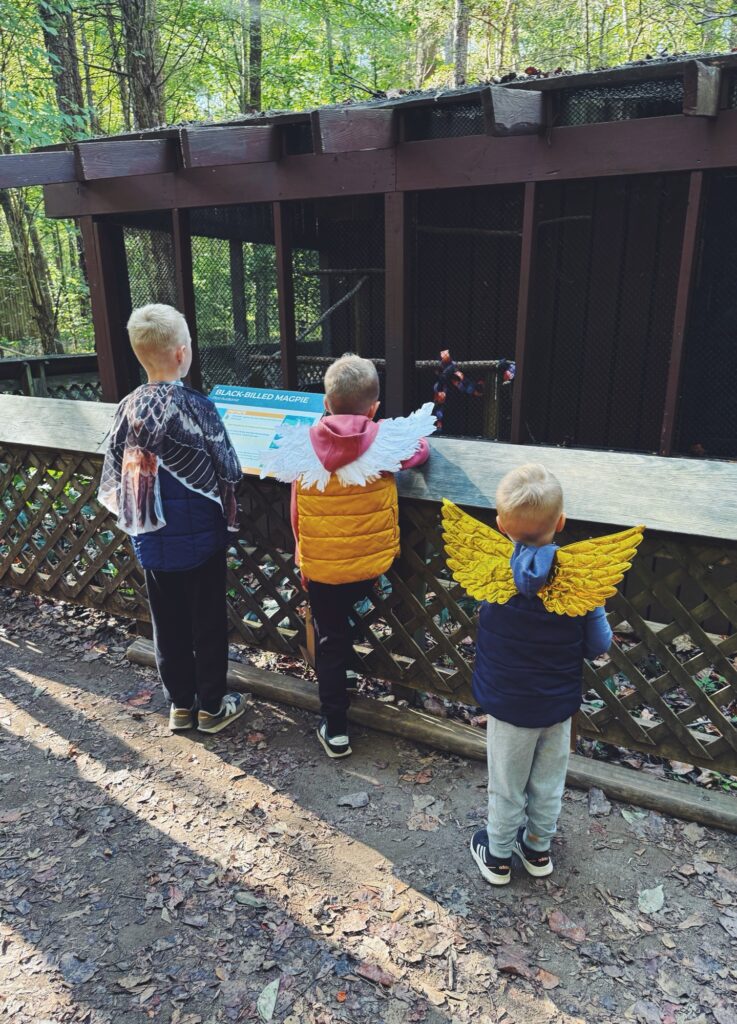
(255, 738)
(76, 971)
(563, 926)
(667, 941)
(420, 778)
(687, 870)
(633, 815)
(266, 1003)
(353, 800)
(196, 920)
(547, 980)
(375, 973)
(247, 900)
(729, 924)
(598, 953)
(670, 986)
(354, 921)
(724, 1014)
(341, 996)
(625, 920)
(650, 901)
(141, 699)
(644, 1012)
(692, 921)
(510, 960)
(420, 821)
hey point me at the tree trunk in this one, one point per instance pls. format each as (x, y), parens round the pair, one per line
(330, 50)
(117, 66)
(94, 120)
(241, 56)
(32, 266)
(255, 54)
(460, 43)
(426, 55)
(60, 41)
(145, 80)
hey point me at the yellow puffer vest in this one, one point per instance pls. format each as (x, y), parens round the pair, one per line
(347, 534)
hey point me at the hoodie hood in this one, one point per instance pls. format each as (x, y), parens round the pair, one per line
(531, 567)
(340, 440)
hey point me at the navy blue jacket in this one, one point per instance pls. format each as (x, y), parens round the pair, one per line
(195, 529)
(529, 662)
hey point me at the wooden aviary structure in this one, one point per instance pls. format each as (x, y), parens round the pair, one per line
(583, 226)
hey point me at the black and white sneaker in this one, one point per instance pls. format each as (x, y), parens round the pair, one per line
(334, 746)
(496, 870)
(232, 707)
(535, 862)
(351, 679)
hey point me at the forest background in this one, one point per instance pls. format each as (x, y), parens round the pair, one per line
(73, 70)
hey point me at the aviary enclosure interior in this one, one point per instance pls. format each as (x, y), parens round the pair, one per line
(584, 228)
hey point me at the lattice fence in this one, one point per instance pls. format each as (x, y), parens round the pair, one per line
(669, 686)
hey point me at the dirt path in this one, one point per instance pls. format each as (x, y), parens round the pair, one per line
(145, 876)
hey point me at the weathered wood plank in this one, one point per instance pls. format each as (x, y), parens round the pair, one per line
(701, 89)
(608, 488)
(348, 129)
(18, 170)
(716, 810)
(512, 111)
(55, 423)
(219, 147)
(96, 161)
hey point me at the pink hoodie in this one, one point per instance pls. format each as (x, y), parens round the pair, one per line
(340, 440)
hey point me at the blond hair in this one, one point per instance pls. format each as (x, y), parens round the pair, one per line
(156, 328)
(351, 384)
(532, 493)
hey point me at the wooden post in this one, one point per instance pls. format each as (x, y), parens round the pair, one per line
(285, 293)
(399, 348)
(110, 300)
(680, 318)
(523, 312)
(182, 243)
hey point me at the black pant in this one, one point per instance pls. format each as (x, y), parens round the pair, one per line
(332, 606)
(190, 621)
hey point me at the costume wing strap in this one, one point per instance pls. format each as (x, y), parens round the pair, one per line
(587, 573)
(477, 556)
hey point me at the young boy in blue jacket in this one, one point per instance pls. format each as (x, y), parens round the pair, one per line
(527, 678)
(170, 476)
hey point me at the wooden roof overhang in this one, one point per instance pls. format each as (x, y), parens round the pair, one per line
(360, 149)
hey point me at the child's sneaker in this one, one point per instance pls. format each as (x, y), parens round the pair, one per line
(181, 718)
(351, 679)
(497, 870)
(232, 707)
(335, 746)
(535, 862)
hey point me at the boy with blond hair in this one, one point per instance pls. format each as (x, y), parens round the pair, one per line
(345, 517)
(170, 476)
(527, 678)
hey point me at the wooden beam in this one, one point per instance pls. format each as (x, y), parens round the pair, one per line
(107, 273)
(219, 147)
(701, 89)
(523, 312)
(650, 145)
(309, 176)
(17, 170)
(347, 129)
(399, 350)
(285, 294)
(680, 318)
(512, 111)
(182, 244)
(96, 161)
(716, 810)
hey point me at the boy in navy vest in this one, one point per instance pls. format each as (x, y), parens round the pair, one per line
(527, 678)
(170, 476)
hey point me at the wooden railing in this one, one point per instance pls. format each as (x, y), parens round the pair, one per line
(669, 686)
(54, 376)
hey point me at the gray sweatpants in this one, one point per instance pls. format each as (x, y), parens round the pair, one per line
(527, 774)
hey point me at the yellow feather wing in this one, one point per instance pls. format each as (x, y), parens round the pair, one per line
(587, 573)
(477, 556)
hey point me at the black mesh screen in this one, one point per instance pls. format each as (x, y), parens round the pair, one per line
(467, 257)
(606, 262)
(150, 257)
(338, 282)
(732, 91)
(451, 121)
(234, 273)
(619, 102)
(708, 412)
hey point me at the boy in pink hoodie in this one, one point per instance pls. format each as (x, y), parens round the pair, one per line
(345, 516)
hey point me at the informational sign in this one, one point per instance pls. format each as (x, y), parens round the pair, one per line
(253, 417)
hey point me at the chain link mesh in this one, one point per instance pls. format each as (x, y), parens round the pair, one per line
(606, 263)
(708, 413)
(444, 122)
(467, 258)
(150, 258)
(655, 98)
